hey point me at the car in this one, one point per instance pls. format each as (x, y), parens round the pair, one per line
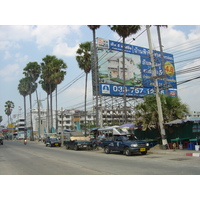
(78, 144)
(53, 142)
(1, 140)
(126, 144)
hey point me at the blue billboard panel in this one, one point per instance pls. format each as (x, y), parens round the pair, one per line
(138, 71)
(118, 90)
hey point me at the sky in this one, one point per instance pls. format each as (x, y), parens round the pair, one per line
(30, 31)
(20, 44)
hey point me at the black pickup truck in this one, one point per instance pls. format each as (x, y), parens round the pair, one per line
(126, 144)
(77, 144)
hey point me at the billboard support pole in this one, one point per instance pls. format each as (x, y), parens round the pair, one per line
(162, 59)
(160, 113)
(124, 82)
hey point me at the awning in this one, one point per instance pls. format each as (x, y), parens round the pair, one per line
(178, 121)
(128, 126)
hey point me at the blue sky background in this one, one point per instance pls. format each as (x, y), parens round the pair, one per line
(31, 30)
(22, 44)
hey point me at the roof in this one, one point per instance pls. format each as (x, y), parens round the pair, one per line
(179, 121)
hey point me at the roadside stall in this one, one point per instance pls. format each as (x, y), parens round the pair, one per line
(183, 133)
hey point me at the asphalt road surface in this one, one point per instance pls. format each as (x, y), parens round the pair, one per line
(36, 159)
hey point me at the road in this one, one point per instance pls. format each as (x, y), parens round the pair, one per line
(36, 159)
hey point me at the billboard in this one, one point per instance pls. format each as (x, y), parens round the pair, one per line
(138, 70)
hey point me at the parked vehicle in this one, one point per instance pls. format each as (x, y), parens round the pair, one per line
(77, 144)
(1, 141)
(75, 140)
(126, 144)
(53, 141)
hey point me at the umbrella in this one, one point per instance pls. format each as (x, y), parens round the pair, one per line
(128, 126)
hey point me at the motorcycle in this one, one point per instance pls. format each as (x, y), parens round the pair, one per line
(25, 142)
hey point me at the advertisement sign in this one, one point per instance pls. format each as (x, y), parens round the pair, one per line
(138, 70)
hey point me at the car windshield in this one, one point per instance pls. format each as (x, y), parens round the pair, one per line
(132, 137)
(122, 131)
(54, 139)
(126, 137)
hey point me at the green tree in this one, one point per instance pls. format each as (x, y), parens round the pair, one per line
(93, 28)
(125, 31)
(47, 88)
(23, 88)
(9, 106)
(53, 72)
(146, 113)
(84, 61)
(32, 72)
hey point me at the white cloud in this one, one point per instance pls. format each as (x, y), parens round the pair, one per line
(47, 35)
(44, 35)
(63, 49)
(15, 33)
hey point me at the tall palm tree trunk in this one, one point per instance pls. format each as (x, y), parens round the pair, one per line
(85, 98)
(47, 118)
(39, 118)
(56, 109)
(31, 121)
(25, 110)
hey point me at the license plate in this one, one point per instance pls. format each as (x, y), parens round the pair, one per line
(142, 149)
(56, 144)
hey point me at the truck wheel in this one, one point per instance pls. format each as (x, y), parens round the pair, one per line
(106, 150)
(67, 146)
(144, 153)
(127, 152)
(75, 147)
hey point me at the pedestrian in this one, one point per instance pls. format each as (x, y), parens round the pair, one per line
(101, 136)
(174, 146)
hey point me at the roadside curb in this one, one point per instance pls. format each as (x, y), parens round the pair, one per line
(193, 154)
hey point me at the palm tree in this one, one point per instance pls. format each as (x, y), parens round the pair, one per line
(146, 113)
(57, 77)
(23, 90)
(52, 75)
(32, 72)
(47, 88)
(125, 31)
(9, 105)
(93, 28)
(84, 61)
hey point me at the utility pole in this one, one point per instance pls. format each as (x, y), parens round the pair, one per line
(160, 113)
(96, 77)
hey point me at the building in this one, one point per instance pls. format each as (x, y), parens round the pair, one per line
(75, 119)
(20, 125)
(193, 115)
